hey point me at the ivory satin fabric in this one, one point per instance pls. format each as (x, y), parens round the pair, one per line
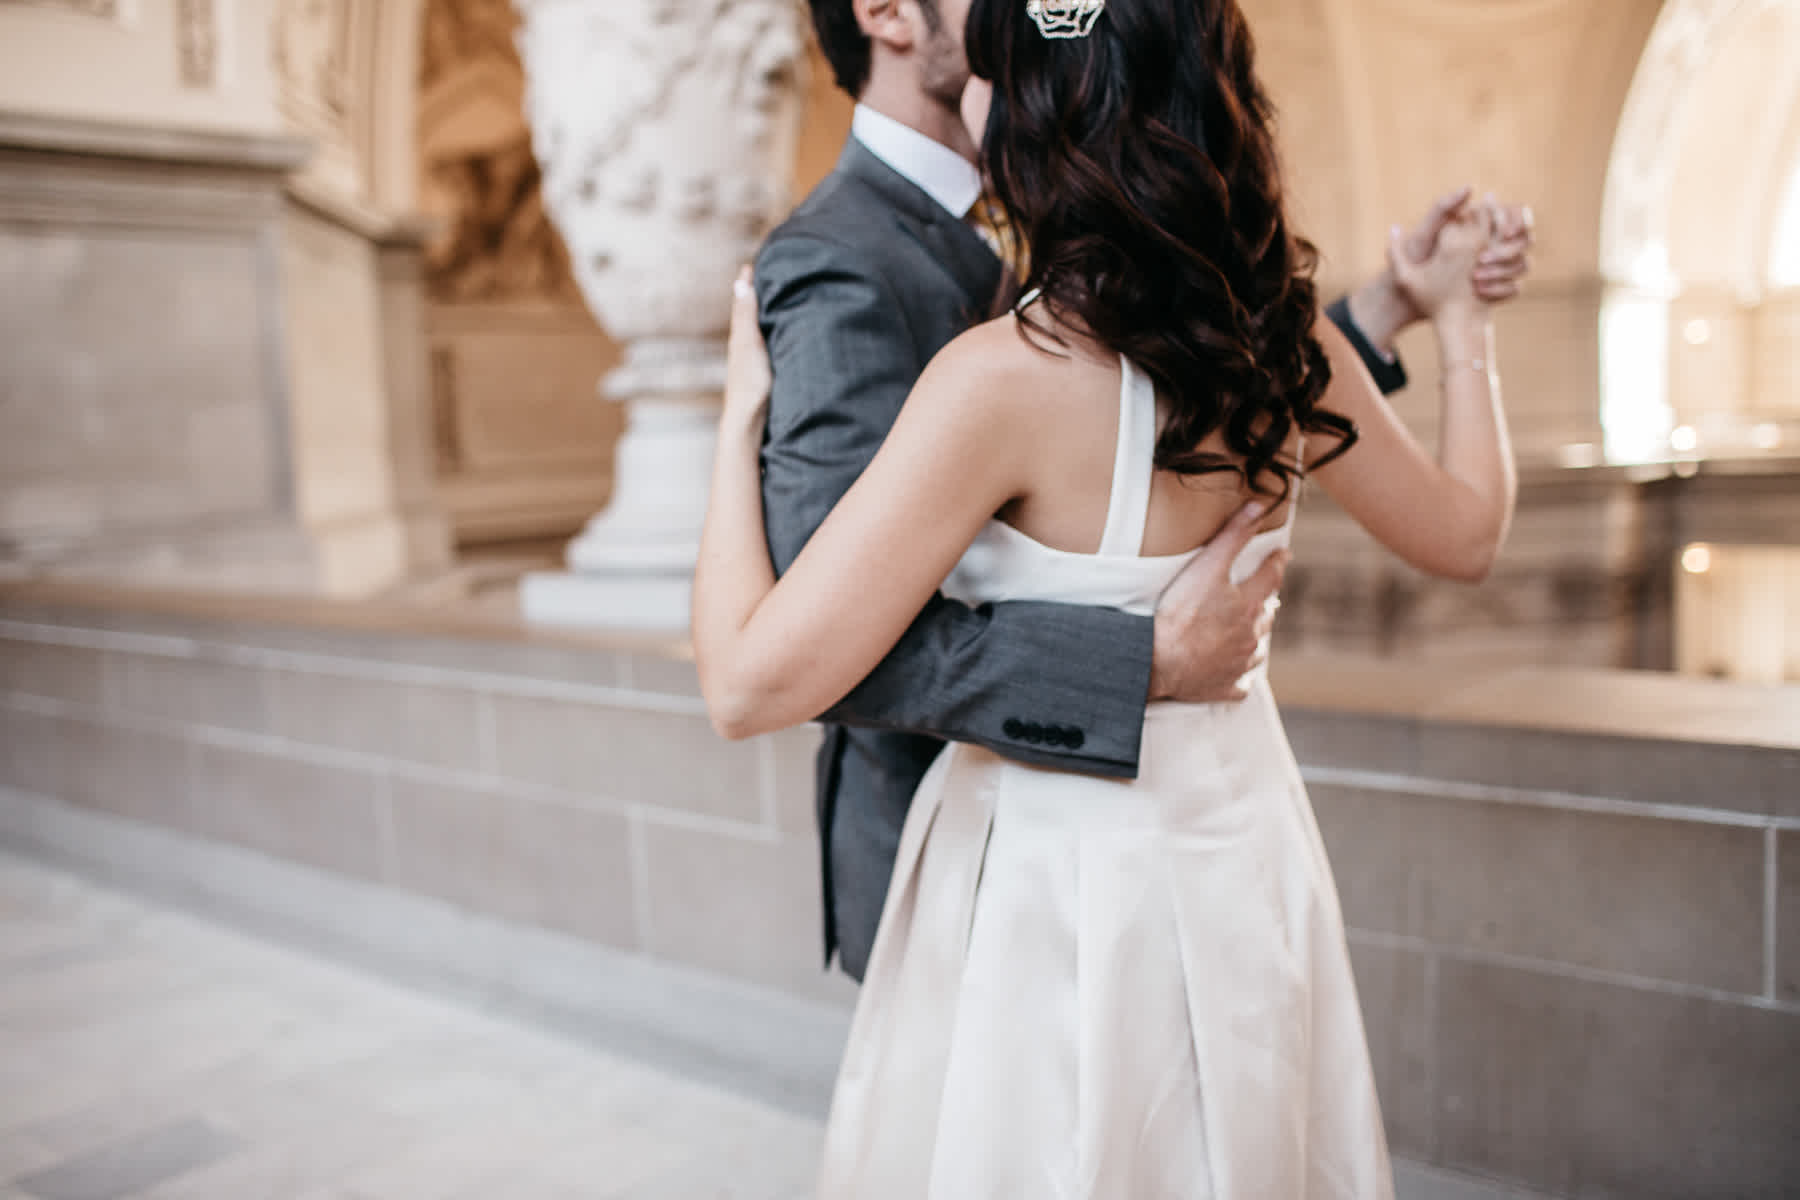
(1085, 989)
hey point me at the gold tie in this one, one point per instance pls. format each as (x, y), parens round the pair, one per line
(988, 219)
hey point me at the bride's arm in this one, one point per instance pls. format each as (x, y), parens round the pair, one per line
(1447, 515)
(775, 654)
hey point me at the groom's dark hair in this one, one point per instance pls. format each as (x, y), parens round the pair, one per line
(845, 46)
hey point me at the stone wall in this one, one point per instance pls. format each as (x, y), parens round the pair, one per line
(179, 64)
(211, 274)
(1572, 904)
(145, 419)
(210, 379)
(573, 786)
(1574, 897)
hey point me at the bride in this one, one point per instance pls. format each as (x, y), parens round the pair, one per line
(1088, 988)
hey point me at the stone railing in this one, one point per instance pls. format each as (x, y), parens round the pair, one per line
(1574, 897)
(1574, 908)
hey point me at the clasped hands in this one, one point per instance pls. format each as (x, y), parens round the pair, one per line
(1210, 632)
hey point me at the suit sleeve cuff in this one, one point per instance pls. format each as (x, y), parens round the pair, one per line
(1096, 729)
(1387, 370)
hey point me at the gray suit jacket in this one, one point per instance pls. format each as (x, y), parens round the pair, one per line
(858, 289)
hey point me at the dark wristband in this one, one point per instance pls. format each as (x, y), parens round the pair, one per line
(1389, 373)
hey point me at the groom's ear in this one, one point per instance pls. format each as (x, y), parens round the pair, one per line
(896, 25)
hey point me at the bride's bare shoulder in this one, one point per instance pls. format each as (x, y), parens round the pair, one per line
(1024, 400)
(1005, 365)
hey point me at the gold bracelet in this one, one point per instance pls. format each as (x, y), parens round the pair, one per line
(1478, 365)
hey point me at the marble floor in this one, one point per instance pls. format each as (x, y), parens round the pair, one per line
(149, 1055)
(146, 1054)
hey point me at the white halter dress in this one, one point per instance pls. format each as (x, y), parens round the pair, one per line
(1089, 989)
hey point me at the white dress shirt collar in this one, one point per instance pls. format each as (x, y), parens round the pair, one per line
(937, 170)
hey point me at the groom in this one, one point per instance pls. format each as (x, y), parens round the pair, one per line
(875, 272)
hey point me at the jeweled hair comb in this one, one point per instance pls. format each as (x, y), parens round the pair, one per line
(1065, 18)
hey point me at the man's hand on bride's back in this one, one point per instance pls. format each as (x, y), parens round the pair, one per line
(1209, 631)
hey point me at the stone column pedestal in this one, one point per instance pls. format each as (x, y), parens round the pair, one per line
(666, 130)
(633, 565)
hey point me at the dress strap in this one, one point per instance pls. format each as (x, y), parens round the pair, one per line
(1128, 508)
(1299, 488)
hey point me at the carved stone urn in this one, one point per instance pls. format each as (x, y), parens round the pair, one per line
(666, 132)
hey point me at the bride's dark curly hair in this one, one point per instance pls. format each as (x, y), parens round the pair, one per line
(1139, 165)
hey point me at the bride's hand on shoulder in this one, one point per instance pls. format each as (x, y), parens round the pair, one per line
(748, 375)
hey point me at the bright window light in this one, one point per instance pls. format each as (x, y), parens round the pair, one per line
(1784, 267)
(1634, 377)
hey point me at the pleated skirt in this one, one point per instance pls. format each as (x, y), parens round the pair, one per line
(1094, 990)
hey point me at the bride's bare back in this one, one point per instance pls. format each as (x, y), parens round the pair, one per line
(1076, 387)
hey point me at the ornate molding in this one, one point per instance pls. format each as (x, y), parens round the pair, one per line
(197, 41)
(63, 136)
(312, 65)
(106, 10)
(666, 131)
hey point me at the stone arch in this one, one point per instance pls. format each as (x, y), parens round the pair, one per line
(1707, 62)
(1695, 191)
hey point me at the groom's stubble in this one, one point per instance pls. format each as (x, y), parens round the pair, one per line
(943, 65)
